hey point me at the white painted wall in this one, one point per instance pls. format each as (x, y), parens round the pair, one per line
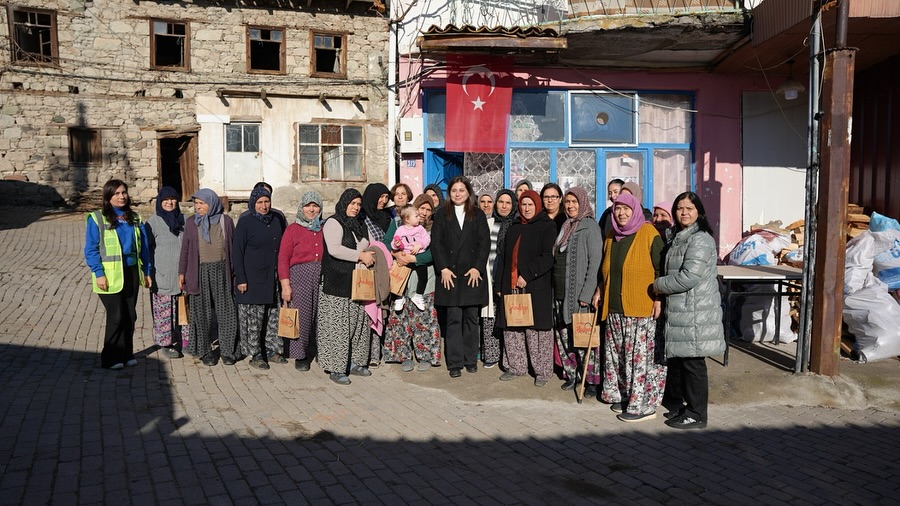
(774, 158)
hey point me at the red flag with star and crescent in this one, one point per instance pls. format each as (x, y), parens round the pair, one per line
(479, 93)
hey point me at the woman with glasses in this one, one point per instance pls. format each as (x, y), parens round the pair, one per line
(551, 199)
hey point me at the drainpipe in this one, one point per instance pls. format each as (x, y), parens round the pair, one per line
(834, 182)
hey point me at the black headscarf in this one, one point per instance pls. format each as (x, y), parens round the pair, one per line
(437, 190)
(354, 225)
(380, 217)
(258, 192)
(505, 221)
(174, 219)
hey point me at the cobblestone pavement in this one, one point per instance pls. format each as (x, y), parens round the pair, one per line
(177, 432)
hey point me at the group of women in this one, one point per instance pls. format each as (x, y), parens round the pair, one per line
(653, 288)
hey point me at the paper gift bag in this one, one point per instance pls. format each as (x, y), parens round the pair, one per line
(517, 309)
(288, 325)
(183, 310)
(584, 326)
(399, 277)
(363, 285)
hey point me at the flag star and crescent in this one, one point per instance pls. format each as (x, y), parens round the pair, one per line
(479, 94)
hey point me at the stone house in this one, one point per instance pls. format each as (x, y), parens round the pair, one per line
(191, 94)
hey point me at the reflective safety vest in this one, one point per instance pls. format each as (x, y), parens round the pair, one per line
(111, 254)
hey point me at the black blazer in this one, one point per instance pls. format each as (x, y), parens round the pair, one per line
(459, 251)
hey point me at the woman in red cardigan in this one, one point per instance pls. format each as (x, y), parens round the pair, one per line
(299, 269)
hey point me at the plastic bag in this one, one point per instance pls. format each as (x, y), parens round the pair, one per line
(886, 245)
(758, 317)
(873, 316)
(759, 248)
(858, 262)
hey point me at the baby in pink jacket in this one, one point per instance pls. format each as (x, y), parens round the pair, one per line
(412, 238)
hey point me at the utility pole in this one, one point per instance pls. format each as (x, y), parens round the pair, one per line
(834, 183)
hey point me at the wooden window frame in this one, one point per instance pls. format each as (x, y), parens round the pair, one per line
(13, 41)
(85, 147)
(186, 47)
(343, 55)
(298, 174)
(282, 59)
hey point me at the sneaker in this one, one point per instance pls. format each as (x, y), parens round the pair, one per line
(172, 352)
(339, 378)
(277, 358)
(131, 363)
(506, 376)
(489, 365)
(301, 365)
(631, 417)
(617, 407)
(539, 382)
(418, 301)
(407, 366)
(258, 362)
(117, 366)
(399, 303)
(685, 422)
(356, 370)
(423, 367)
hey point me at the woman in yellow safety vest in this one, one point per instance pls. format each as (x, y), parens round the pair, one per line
(116, 251)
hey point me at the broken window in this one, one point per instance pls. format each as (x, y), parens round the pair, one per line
(330, 153)
(84, 147)
(265, 50)
(33, 35)
(328, 57)
(170, 45)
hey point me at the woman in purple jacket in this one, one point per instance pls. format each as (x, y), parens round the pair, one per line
(205, 275)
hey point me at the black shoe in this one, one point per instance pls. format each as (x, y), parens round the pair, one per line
(301, 365)
(171, 352)
(617, 407)
(455, 373)
(209, 360)
(277, 358)
(472, 368)
(228, 360)
(356, 370)
(590, 391)
(685, 422)
(568, 385)
(339, 378)
(258, 362)
(673, 413)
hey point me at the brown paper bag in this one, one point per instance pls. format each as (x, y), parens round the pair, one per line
(584, 325)
(399, 277)
(183, 310)
(363, 285)
(517, 309)
(288, 325)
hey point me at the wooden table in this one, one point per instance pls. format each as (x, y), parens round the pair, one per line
(781, 277)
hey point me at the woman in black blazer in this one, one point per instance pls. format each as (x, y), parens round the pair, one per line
(460, 243)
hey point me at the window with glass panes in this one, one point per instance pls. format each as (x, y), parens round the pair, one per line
(242, 137)
(330, 153)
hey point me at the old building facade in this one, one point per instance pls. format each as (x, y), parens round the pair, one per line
(192, 94)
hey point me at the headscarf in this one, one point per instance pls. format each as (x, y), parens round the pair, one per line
(174, 219)
(667, 207)
(637, 217)
(255, 195)
(585, 210)
(354, 225)
(437, 190)
(380, 217)
(213, 216)
(314, 225)
(635, 190)
(525, 182)
(533, 195)
(417, 203)
(505, 221)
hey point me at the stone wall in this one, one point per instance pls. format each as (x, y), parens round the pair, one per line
(104, 82)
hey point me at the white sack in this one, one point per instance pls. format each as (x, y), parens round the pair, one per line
(873, 316)
(759, 248)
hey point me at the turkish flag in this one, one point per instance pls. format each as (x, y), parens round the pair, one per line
(479, 93)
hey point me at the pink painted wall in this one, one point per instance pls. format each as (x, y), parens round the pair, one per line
(717, 124)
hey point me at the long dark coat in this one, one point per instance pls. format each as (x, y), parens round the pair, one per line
(254, 257)
(535, 265)
(460, 250)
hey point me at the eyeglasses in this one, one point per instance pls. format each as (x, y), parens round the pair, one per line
(551, 197)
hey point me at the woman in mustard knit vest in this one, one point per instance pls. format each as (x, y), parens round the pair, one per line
(634, 364)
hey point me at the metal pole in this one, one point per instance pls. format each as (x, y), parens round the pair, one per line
(812, 191)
